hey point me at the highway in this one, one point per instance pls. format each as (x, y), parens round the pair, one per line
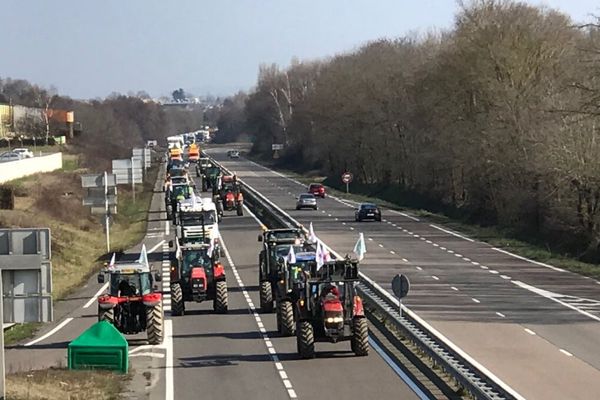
(215, 356)
(532, 325)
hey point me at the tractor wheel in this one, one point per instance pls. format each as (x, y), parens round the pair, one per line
(305, 340)
(286, 317)
(155, 324)
(240, 209)
(177, 304)
(360, 337)
(266, 297)
(220, 301)
(106, 315)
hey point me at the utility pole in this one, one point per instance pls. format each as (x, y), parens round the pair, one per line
(106, 212)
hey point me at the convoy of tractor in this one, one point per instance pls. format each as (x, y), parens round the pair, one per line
(313, 301)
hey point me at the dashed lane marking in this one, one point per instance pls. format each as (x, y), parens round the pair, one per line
(532, 333)
(500, 315)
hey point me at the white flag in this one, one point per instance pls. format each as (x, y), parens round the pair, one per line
(143, 256)
(321, 255)
(211, 248)
(291, 256)
(360, 248)
(111, 264)
(311, 234)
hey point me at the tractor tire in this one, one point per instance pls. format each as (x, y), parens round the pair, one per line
(177, 303)
(106, 315)
(305, 340)
(155, 324)
(360, 337)
(266, 297)
(220, 301)
(240, 210)
(286, 318)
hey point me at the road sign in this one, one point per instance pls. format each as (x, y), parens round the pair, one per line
(26, 274)
(143, 155)
(126, 175)
(400, 286)
(276, 147)
(97, 180)
(346, 177)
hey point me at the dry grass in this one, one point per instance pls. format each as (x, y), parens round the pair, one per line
(61, 384)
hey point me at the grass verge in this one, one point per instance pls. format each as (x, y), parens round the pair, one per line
(61, 384)
(495, 236)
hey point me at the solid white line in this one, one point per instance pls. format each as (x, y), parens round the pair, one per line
(52, 332)
(566, 352)
(529, 260)
(451, 233)
(398, 370)
(532, 333)
(156, 247)
(168, 344)
(94, 297)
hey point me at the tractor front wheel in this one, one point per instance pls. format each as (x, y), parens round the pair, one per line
(177, 304)
(305, 340)
(220, 301)
(266, 297)
(286, 317)
(360, 337)
(106, 315)
(155, 324)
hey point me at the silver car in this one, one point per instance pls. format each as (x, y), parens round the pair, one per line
(306, 200)
(10, 156)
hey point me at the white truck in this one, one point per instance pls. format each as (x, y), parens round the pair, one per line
(175, 142)
(196, 219)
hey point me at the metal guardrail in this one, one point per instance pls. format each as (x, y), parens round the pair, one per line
(467, 372)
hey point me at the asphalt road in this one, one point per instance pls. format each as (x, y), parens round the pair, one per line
(532, 325)
(212, 356)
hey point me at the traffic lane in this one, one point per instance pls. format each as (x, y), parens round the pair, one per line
(335, 367)
(222, 356)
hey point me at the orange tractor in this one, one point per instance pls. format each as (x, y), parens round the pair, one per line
(230, 195)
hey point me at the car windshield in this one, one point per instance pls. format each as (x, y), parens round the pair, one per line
(196, 218)
(307, 196)
(315, 186)
(195, 258)
(369, 207)
(130, 284)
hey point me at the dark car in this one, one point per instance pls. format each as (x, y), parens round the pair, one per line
(317, 189)
(367, 211)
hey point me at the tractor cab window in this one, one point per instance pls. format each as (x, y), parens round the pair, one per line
(195, 259)
(195, 218)
(130, 284)
(283, 250)
(182, 190)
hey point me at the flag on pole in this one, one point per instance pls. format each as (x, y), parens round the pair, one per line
(291, 256)
(143, 256)
(321, 255)
(311, 234)
(360, 248)
(211, 248)
(113, 259)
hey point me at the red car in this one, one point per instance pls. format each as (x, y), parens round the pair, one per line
(317, 189)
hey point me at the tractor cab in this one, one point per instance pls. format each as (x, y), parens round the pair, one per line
(230, 195)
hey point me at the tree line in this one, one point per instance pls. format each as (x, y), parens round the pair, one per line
(495, 119)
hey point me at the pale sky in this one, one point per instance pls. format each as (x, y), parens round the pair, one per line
(89, 48)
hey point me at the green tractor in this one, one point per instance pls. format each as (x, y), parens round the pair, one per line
(276, 246)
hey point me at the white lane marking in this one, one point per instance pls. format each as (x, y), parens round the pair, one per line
(451, 233)
(148, 354)
(532, 333)
(168, 345)
(436, 245)
(504, 276)
(483, 267)
(287, 384)
(405, 260)
(454, 288)
(398, 370)
(371, 239)
(167, 226)
(457, 255)
(94, 297)
(450, 251)
(156, 247)
(351, 228)
(474, 263)
(500, 315)
(415, 235)
(492, 271)
(343, 223)
(442, 248)
(329, 215)
(428, 241)
(392, 252)
(553, 296)
(419, 268)
(435, 277)
(380, 245)
(405, 215)
(529, 260)
(566, 352)
(52, 332)
(466, 259)
(475, 300)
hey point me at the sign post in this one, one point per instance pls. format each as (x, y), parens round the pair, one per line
(102, 197)
(106, 212)
(2, 374)
(347, 178)
(132, 181)
(400, 287)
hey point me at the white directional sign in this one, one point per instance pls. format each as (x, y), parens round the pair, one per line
(125, 173)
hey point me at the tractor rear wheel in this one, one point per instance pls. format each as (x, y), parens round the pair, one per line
(106, 315)
(286, 317)
(155, 324)
(360, 337)
(240, 209)
(220, 301)
(266, 297)
(305, 340)
(177, 304)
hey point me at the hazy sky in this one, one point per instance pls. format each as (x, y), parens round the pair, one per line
(90, 48)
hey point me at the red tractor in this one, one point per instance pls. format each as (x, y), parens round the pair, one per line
(197, 275)
(132, 304)
(329, 310)
(230, 195)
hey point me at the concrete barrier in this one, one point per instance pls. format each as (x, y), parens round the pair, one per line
(29, 166)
